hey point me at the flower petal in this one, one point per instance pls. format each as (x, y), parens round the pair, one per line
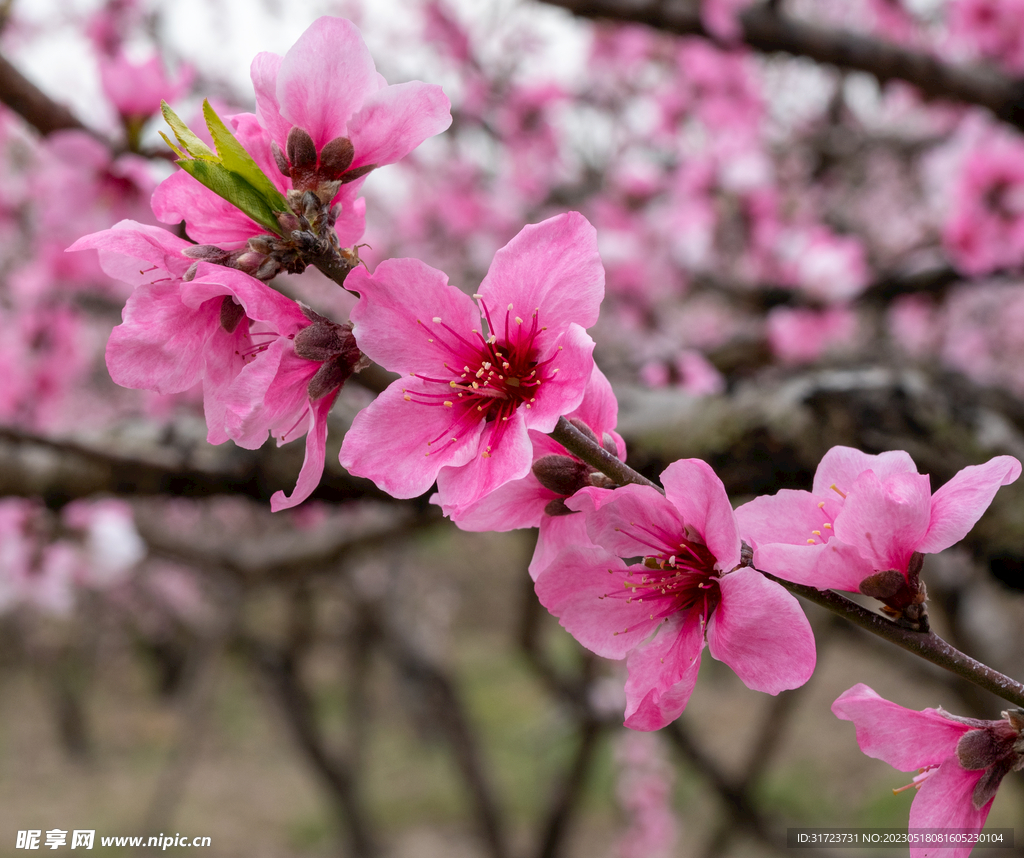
(584, 588)
(663, 672)
(885, 521)
(759, 630)
(393, 320)
(563, 392)
(263, 71)
(516, 504)
(695, 490)
(787, 516)
(957, 506)
(636, 521)
(841, 466)
(395, 120)
(553, 267)
(209, 219)
(160, 344)
(904, 738)
(945, 801)
(832, 566)
(557, 533)
(389, 442)
(313, 463)
(127, 243)
(269, 395)
(600, 409)
(503, 455)
(324, 78)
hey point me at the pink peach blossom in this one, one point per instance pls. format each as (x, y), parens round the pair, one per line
(464, 414)
(327, 85)
(864, 515)
(692, 588)
(985, 229)
(798, 335)
(136, 89)
(288, 386)
(962, 760)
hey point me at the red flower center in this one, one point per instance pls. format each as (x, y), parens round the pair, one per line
(486, 377)
(679, 575)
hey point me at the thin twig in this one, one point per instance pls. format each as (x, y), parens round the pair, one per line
(594, 454)
(928, 645)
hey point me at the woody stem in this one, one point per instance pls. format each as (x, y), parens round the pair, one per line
(597, 457)
(928, 645)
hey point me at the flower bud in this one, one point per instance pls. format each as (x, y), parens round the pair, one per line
(561, 474)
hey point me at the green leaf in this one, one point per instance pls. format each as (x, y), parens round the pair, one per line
(189, 142)
(234, 157)
(233, 188)
(230, 172)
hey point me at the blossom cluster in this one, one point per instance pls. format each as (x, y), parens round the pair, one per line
(634, 573)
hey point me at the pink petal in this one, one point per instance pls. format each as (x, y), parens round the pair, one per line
(885, 521)
(759, 630)
(126, 244)
(832, 566)
(351, 222)
(224, 362)
(945, 801)
(557, 533)
(907, 740)
(697, 492)
(787, 516)
(576, 587)
(209, 219)
(395, 120)
(553, 267)
(958, 505)
(263, 71)
(509, 458)
(599, 408)
(516, 504)
(841, 466)
(388, 442)
(637, 521)
(261, 303)
(562, 392)
(393, 320)
(324, 79)
(663, 672)
(160, 344)
(313, 464)
(269, 396)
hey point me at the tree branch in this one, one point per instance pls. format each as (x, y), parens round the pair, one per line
(33, 105)
(768, 32)
(927, 645)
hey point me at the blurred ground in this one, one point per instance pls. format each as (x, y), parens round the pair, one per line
(250, 791)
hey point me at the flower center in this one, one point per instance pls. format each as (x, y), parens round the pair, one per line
(677, 576)
(486, 378)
